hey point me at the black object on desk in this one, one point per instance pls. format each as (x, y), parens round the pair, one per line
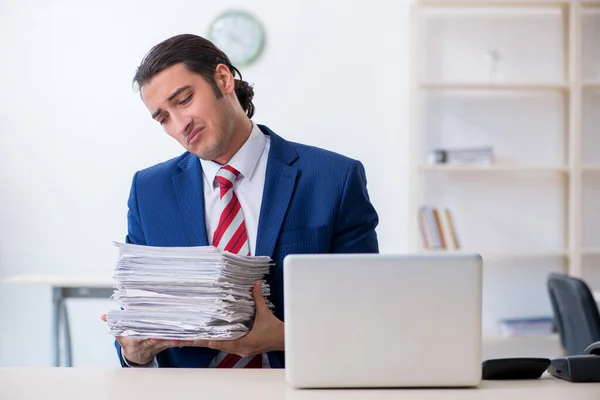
(593, 348)
(580, 368)
(514, 368)
(584, 368)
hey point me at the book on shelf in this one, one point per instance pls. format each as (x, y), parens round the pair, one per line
(438, 230)
(466, 156)
(542, 325)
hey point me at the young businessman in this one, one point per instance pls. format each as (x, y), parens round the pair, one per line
(238, 186)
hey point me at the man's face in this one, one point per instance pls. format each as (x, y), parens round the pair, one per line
(185, 104)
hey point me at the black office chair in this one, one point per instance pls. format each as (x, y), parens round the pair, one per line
(575, 313)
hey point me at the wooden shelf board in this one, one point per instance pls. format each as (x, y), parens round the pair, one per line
(591, 251)
(494, 3)
(502, 254)
(493, 86)
(491, 168)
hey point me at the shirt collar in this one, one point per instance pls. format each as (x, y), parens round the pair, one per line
(245, 160)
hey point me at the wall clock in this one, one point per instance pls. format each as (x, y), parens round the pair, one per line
(239, 35)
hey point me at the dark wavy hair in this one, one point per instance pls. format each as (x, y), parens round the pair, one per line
(199, 55)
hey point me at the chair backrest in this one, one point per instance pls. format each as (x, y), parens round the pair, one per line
(575, 312)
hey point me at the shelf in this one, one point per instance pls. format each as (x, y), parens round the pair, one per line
(504, 255)
(493, 86)
(496, 3)
(591, 85)
(492, 168)
(591, 251)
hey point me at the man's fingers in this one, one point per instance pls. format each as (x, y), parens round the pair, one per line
(103, 317)
(195, 343)
(141, 351)
(159, 343)
(124, 341)
(132, 344)
(259, 300)
(165, 344)
(222, 345)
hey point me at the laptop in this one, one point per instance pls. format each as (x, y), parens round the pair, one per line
(374, 320)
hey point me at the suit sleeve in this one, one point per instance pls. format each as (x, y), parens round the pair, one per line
(135, 235)
(357, 218)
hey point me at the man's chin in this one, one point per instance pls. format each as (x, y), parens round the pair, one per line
(203, 153)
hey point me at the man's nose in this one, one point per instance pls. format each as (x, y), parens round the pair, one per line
(183, 125)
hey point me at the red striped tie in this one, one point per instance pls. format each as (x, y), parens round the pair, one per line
(231, 236)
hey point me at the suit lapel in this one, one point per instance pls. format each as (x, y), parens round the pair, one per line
(280, 181)
(190, 198)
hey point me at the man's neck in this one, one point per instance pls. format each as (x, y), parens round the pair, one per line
(241, 134)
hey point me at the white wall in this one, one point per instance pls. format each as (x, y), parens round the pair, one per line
(72, 131)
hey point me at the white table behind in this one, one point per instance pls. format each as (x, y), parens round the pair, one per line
(64, 288)
(67, 281)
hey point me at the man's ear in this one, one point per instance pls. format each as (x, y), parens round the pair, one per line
(224, 79)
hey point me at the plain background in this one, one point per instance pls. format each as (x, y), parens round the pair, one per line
(333, 74)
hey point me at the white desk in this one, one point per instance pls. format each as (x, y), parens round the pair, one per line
(162, 384)
(67, 287)
(63, 288)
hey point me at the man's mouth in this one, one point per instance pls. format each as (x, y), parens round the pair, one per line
(194, 135)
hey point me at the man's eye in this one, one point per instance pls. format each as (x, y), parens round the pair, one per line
(186, 100)
(163, 120)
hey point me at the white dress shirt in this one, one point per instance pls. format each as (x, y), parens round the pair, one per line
(251, 161)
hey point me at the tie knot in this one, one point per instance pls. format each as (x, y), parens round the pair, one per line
(226, 176)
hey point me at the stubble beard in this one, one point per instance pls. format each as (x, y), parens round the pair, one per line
(218, 144)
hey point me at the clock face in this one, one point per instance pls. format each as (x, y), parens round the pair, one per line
(239, 35)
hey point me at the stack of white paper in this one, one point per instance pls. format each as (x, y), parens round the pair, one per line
(185, 293)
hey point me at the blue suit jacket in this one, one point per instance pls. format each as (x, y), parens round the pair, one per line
(314, 201)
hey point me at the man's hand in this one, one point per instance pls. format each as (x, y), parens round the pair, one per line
(142, 351)
(266, 335)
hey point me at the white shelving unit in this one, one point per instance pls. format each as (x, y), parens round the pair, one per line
(523, 77)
